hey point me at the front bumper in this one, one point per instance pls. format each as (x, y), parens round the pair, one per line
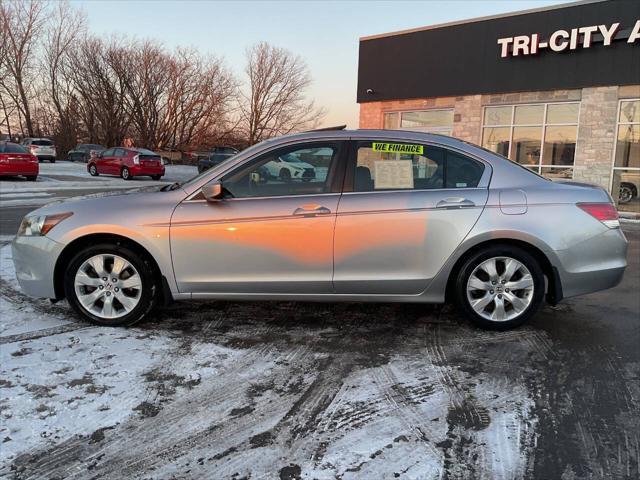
(35, 260)
(594, 264)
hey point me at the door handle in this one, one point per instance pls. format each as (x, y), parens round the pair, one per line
(455, 202)
(311, 210)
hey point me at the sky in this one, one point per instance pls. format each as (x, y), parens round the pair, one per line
(324, 33)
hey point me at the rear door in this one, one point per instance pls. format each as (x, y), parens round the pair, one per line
(118, 160)
(103, 161)
(405, 209)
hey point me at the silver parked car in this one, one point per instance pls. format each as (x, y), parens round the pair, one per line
(390, 216)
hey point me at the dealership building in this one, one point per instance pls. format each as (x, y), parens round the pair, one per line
(555, 89)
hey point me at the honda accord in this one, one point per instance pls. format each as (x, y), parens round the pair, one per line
(389, 216)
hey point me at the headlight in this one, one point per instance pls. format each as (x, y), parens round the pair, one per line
(40, 225)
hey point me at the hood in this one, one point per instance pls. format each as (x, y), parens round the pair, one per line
(119, 200)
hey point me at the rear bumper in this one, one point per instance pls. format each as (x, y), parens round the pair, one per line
(138, 170)
(24, 168)
(594, 264)
(35, 260)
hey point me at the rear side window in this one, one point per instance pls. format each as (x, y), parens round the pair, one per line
(407, 166)
(462, 172)
(12, 148)
(42, 143)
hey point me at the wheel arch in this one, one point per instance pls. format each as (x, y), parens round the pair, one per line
(553, 282)
(72, 248)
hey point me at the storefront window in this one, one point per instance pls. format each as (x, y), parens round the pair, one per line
(626, 168)
(391, 121)
(526, 145)
(496, 139)
(498, 115)
(539, 136)
(560, 145)
(432, 121)
(529, 115)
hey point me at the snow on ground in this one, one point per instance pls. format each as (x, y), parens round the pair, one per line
(260, 390)
(62, 179)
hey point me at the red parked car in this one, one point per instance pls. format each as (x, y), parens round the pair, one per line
(127, 163)
(16, 160)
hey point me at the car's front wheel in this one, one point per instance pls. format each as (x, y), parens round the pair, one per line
(500, 287)
(110, 285)
(125, 174)
(93, 170)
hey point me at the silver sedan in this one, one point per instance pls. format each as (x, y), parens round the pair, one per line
(387, 216)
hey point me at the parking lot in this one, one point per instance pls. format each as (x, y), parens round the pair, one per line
(299, 390)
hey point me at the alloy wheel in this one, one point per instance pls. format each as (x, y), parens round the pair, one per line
(108, 286)
(500, 289)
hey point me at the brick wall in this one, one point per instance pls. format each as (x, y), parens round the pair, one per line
(467, 118)
(596, 135)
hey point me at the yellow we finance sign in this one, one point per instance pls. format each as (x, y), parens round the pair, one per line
(398, 148)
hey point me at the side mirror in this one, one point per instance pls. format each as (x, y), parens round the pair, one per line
(212, 192)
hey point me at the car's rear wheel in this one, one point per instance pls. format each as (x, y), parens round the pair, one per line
(156, 177)
(626, 193)
(32, 178)
(125, 174)
(93, 170)
(500, 287)
(110, 285)
(53, 160)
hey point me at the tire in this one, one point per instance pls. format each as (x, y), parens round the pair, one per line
(125, 174)
(93, 170)
(53, 160)
(627, 193)
(285, 175)
(156, 177)
(492, 317)
(140, 299)
(32, 178)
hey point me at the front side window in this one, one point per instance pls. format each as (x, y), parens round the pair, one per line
(541, 137)
(108, 153)
(406, 166)
(299, 170)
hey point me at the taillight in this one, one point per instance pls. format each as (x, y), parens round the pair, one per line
(33, 158)
(605, 212)
(136, 159)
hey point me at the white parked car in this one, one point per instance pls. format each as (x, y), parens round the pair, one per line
(43, 148)
(290, 167)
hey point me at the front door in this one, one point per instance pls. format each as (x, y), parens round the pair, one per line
(409, 208)
(272, 233)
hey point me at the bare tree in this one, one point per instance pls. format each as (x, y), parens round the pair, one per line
(274, 103)
(22, 28)
(67, 26)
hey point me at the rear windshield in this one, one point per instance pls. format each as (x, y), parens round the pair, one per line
(144, 151)
(42, 143)
(12, 148)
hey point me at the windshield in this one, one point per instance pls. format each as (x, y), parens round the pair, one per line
(144, 151)
(12, 148)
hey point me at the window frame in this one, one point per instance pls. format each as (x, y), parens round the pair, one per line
(615, 143)
(352, 163)
(336, 171)
(539, 166)
(436, 130)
